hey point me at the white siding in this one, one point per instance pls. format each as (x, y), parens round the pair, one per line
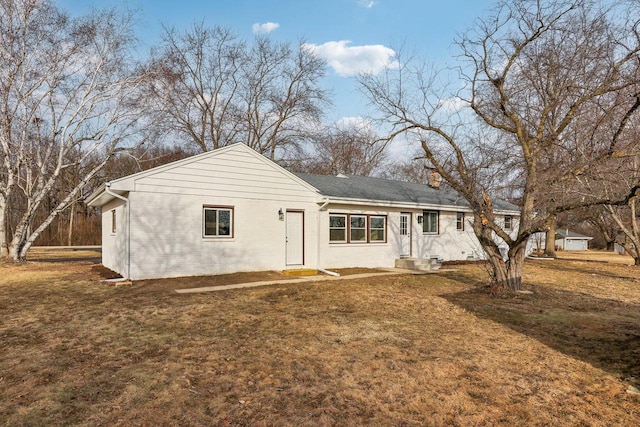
(167, 217)
(230, 174)
(114, 252)
(167, 236)
(448, 244)
(343, 255)
(573, 244)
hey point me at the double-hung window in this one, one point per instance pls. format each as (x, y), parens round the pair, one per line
(377, 228)
(217, 221)
(460, 221)
(358, 228)
(508, 222)
(430, 222)
(338, 228)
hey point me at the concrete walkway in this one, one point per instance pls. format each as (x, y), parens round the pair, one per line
(388, 272)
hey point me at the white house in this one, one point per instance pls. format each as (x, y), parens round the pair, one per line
(232, 210)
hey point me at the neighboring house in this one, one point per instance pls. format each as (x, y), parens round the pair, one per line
(567, 240)
(232, 210)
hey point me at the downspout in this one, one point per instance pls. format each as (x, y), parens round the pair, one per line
(107, 190)
(331, 273)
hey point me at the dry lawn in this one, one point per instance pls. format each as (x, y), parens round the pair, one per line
(388, 350)
(595, 256)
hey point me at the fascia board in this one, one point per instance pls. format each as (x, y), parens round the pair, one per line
(406, 205)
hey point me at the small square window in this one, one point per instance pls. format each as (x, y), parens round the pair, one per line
(217, 221)
(508, 222)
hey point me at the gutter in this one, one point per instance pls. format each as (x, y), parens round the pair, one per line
(324, 204)
(107, 189)
(415, 205)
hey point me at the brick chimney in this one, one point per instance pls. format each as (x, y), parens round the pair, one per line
(434, 179)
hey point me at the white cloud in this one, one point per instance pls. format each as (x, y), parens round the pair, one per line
(265, 28)
(354, 122)
(452, 105)
(366, 3)
(351, 60)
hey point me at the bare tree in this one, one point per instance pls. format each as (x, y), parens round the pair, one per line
(413, 170)
(214, 89)
(594, 221)
(627, 216)
(281, 98)
(534, 72)
(66, 91)
(348, 148)
(195, 85)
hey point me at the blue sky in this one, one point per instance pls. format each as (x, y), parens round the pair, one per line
(352, 35)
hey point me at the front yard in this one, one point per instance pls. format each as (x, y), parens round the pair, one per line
(388, 350)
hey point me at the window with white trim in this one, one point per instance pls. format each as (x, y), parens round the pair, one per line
(217, 221)
(460, 221)
(430, 221)
(377, 228)
(338, 228)
(358, 228)
(508, 222)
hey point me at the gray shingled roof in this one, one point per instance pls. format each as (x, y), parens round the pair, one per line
(380, 189)
(564, 233)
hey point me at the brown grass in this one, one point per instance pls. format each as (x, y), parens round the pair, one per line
(387, 350)
(597, 256)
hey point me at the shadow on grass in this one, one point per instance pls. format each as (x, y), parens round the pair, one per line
(604, 333)
(574, 266)
(91, 259)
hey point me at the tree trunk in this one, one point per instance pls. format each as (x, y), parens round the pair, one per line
(3, 227)
(17, 252)
(72, 214)
(550, 242)
(508, 274)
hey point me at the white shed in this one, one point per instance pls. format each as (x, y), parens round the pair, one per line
(568, 240)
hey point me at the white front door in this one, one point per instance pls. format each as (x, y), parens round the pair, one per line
(295, 238)
(405, 234)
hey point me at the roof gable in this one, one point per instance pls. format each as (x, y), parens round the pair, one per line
(234, 171)
(127, 183)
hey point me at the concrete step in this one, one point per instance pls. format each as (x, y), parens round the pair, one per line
(420, 264)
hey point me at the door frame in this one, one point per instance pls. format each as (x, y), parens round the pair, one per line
(286, 237)
(409, 216)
